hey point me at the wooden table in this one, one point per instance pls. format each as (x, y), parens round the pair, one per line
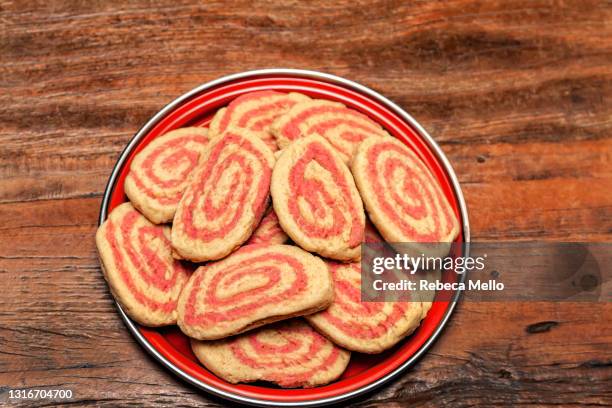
(517, 94)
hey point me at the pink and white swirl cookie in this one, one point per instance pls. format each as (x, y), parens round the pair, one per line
(365, 327)
(316, 201)
(255, 111)
(377, 248)
(290, 354)
(226, 198)
(160, 172)
(268, 231)
(342, 127)
(256, 285)
(402, 197)
(138, 266)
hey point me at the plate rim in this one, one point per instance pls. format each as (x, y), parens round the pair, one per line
(300, 73)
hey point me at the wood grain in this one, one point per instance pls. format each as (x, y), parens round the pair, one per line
(516, 92)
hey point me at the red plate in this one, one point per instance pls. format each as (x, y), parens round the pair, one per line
(196, 108)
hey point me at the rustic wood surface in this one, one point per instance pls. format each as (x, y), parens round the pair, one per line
(516, 92)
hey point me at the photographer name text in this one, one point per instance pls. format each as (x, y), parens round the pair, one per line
(424, 285)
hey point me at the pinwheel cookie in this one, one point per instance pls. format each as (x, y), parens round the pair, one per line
(139, 268)
(366, 327)
(342, 127)
(269, 230)
(160, 172)
(290, 354)
(226, 198)
(316, 200)
(402, 197)
(255, 111)
(256, 285)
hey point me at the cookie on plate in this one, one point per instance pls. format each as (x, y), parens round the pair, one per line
(226, 198)
(138, 266)
(365, 327)
(268, 231)
(160, 172)
(402, 197)
(316, 201)
(290, 354)
(255, 111)
(256, 285)
(342, 127)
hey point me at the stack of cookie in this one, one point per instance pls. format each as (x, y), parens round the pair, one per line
(269, 201)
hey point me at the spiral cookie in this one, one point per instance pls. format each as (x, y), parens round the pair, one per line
(402, 197)
(160, 172)
(268, 231)
(139, 268)
(255, 111)
(290, 354)
(342, 127)
(256, 285)
(316, 200)
(366, 327)
(226, 198)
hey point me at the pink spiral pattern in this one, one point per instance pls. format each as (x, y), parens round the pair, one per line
(316, 200)
(226, 198)
(256, 283)
(139, 267)
(160, 173)
(402, 197)
(367, 327)
(342, 127)
(255, 111)
(290, 354)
